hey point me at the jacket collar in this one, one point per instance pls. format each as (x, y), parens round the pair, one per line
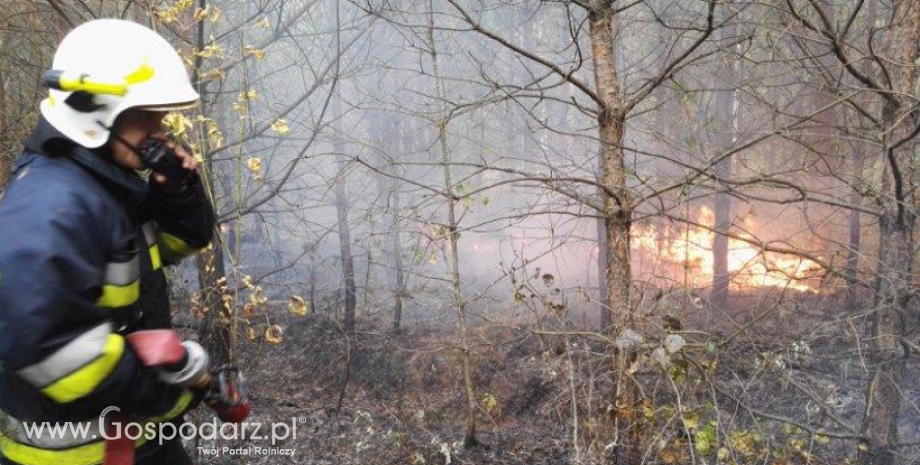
(47, 140)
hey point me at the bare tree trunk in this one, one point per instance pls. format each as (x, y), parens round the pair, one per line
(858, 166)
(466, 356)
(341, 198)
(895, 281)
(725, 113)
(388, 188)
(529, 145)
(608, 321)
(603, 293)
(348, 260)
(888, 360)
(618, 216)
(852, 269)
(603, 248)
(312, 291)
(397, 245)
(399, 144)
(214, 330)
(397, 263)
(723, 221)
(469, 438)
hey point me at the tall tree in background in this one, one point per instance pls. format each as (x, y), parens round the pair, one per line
(889, 325)
(344, 229)
(611, 119)
(212, 276)
(341, 196)
(613, 107)
(892, 83)
(451, 231)
(725, 135)
(857, 176)
(391, 198)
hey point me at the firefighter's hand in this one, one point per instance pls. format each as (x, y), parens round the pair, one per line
(188, 161)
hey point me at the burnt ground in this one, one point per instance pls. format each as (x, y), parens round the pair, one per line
(403, 395)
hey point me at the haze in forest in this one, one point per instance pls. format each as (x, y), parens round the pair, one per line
(547, 231)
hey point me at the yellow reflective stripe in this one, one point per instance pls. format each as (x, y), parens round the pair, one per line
(155, 261)
(185, 399)
(88, 454)
(174, 244)
(85, 379)
(119, 296)
(174, 249)
(77, 353)
(84, 83)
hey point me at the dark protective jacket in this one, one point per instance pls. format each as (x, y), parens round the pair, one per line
(83, 243)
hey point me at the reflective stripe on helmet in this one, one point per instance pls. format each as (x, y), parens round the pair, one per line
(139, 69)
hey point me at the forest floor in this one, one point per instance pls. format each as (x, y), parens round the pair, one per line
(402, 402)
(377, 398)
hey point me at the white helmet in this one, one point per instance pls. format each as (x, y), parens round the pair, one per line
(121, 52)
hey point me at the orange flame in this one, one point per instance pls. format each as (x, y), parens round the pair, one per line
(749, 267)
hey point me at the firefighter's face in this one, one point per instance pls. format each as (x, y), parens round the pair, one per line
(134, 127)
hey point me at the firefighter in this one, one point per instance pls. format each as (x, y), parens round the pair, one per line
(84, 240)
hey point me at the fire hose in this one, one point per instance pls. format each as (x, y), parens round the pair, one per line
(181, 363)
